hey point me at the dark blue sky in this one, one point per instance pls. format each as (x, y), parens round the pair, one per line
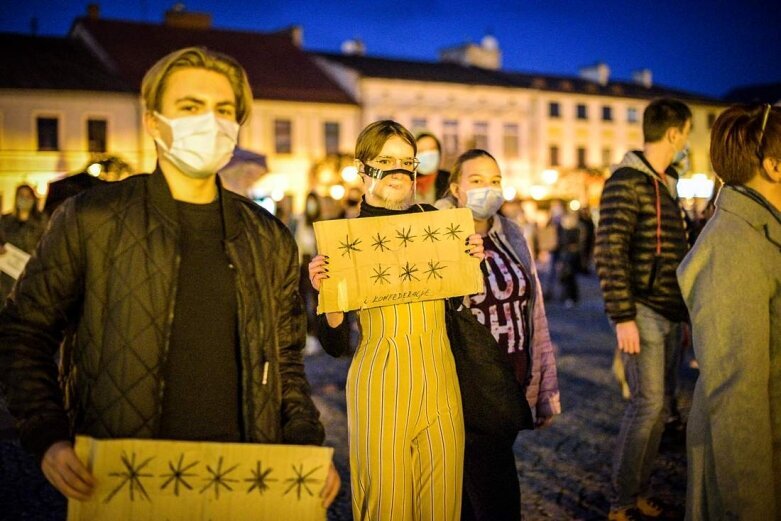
(700, 46)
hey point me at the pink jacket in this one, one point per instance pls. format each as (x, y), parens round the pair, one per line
(542, 393)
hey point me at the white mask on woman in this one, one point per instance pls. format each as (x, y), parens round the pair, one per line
(429, 161)
(200, 145)
(484, 202)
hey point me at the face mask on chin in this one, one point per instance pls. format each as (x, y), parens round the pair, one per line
(484, 202)
(429, 161)
(680, 160)
(200, 145)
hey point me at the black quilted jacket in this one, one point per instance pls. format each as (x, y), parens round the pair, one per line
(629, 270)
(108, 267)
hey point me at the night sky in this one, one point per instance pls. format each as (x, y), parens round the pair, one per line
(703, 47)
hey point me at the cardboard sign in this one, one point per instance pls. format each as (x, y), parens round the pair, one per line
(379, 261)
(201, 481)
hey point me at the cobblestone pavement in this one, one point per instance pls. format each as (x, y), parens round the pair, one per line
(564, 469)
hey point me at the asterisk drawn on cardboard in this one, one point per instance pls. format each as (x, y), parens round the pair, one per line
(348, 246)
(433, 270)
(405, 236)
(430, 235)
(454, 231)
(131, 476)
(380, 243)
(301, 481)
(408, 272)
(381, 275)
(260, 478)
(219, 478)
(178, 475)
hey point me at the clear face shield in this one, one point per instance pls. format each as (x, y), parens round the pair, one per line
(409, 169)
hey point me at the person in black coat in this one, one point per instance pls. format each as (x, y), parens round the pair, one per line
(183, 298)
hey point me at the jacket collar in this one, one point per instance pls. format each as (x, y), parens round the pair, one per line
(637, 161)
(160, 195)
(754, 209)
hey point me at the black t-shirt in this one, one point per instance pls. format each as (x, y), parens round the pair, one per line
(504, 305)
(202, 397)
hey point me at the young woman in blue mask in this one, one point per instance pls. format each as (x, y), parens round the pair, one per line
(404, 415)
(512, 308)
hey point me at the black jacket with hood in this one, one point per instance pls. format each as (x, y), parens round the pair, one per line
(104, 277)
(630, 233)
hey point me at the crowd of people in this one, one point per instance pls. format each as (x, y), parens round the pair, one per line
(117, 342)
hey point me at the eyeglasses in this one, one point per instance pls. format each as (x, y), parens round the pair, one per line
(407, 163)
(762, 131)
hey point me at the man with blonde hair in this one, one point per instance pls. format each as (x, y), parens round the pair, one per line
(180, 297)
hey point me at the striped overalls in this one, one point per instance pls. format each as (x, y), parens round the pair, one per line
(406, 429)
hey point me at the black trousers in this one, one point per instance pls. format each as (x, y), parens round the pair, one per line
(491, 488)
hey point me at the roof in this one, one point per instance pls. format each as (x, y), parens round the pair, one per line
(276, 68)
(427, 71)
(58, 63)
(391, 68)
(762, 93)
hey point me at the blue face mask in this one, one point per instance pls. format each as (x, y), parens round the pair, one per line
(484, 202)
(429, 162)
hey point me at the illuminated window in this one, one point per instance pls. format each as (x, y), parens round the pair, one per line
(581, 153)
(48, 133)
(554, 155)
(607, 156)
(510, 138)
(331, 137)
(631, 115)
(450, 137)
(283, 136)
(96, 135)
(481, 134)
(418, 125)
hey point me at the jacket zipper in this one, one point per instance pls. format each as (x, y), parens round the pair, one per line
(169, 324)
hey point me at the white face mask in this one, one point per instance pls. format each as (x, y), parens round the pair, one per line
(484, 202)
(200, 145)
(429, 162)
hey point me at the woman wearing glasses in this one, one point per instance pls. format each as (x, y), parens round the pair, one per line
(406, 430)
(731, 281)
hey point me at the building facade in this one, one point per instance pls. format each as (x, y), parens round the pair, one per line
(66, 101)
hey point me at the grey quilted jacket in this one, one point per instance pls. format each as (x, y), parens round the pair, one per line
(104, 277)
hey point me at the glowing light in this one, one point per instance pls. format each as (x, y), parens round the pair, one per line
(697, 186)
(574, 205)
(550, 176)
(539, 192)
(336, 192)
(349, 174)
(94, 169)
(277, 194)
(509, 193)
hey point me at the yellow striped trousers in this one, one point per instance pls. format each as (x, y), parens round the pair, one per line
(406, 429)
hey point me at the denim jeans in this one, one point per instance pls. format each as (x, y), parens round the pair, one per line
(648, 374)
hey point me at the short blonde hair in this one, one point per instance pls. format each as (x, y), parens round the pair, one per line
(373, 137)
(154, 83)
